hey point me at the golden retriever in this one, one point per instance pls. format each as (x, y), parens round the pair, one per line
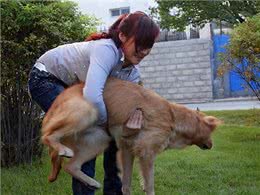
(69, 129)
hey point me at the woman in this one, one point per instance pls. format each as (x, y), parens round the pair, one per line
(114, 54)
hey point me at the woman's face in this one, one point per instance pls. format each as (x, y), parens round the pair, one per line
(129, 50)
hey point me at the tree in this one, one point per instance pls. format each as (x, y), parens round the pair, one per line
(243, 54)
(28, 29)
(179, 14)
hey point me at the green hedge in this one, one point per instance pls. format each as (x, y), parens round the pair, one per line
(28, 29)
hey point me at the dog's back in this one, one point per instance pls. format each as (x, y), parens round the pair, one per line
(122, 98)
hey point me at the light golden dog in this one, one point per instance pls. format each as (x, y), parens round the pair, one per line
(69, 130)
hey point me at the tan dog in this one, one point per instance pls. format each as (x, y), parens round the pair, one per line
(69, 129)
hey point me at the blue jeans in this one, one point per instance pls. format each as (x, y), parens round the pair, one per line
(44, 88)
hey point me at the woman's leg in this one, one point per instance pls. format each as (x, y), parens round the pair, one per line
(44, 88)
(112, 182)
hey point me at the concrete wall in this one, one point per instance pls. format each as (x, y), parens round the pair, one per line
(180, 71)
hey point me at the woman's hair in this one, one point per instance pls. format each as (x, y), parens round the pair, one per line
(136, 24)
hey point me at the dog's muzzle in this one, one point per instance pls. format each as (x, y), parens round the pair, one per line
(206, 146)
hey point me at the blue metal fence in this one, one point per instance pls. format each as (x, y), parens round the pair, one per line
(234, 83)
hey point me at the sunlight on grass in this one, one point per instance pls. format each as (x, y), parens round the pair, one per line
(231, 167)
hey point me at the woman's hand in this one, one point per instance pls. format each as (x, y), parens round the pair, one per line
(135, 120)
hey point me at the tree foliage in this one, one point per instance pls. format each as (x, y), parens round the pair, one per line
(243, 53)
(178, 14)
(28, 29)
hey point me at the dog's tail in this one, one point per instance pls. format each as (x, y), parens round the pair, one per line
(56, 162)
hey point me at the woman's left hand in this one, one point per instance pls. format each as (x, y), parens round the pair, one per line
(135, 120)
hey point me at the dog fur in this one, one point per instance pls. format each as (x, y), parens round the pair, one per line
(69, 130)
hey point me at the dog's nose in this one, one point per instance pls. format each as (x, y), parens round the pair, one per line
(206, 146)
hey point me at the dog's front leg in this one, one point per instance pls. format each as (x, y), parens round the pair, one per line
(127, 164)
(147, 170)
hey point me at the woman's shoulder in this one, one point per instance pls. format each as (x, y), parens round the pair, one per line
(105, 42)
(106, 46)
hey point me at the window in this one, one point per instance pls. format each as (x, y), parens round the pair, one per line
(125, 10)
(119, 11)
(115, 12)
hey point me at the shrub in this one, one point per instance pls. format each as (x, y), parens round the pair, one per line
(28, 29)
(243, 53)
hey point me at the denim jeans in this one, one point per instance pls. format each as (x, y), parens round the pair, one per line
(44, 88)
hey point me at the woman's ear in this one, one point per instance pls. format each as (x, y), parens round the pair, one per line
(122, 37)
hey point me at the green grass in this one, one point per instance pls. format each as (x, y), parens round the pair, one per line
(231, 167)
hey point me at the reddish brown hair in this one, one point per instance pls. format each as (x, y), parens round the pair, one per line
(137, 24)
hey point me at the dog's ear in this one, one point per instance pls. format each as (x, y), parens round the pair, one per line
(127, 133)
(212, 121)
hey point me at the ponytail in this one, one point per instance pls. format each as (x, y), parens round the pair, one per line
(113, 32)
(97, 36)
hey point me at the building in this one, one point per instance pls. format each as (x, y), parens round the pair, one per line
(109, 10)
(183, 70)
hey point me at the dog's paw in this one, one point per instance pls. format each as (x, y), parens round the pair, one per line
(52, 178)
(66, 152)
(142, 183)
(94, 185)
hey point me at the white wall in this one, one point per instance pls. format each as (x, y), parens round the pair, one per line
(100, 8)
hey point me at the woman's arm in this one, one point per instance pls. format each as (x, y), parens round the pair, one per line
(102, 60)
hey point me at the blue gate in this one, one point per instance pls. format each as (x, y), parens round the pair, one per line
(234, 84)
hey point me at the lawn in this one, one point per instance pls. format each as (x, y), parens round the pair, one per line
(231, 167)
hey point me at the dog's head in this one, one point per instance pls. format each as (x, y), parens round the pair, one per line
(193, 128)
(202, 135)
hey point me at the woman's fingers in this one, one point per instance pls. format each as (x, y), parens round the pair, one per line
(135, 120)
